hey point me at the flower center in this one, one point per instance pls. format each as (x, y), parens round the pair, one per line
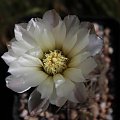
(54, 62)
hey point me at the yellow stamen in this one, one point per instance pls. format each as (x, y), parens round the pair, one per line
(54, 62)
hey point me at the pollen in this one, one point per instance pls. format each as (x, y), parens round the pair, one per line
(54, 62)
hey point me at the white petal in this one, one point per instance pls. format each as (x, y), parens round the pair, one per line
(34, 78)
(18, 34)
(36, 104)
(35, 52)
(69, 44)
(72, 97)
(51, 18)
(41, 24)
(89, 26)
(44, 37)
(48, 40)
(74, 75)
(86, 25)
(9, 57)
(17, 69)
(36, 27)
(95, 44)
(59, 33)
(58, 101)
(53, 96)
(30, 61)
(22, 34)
(17, 84)
(38, 33)
(65, 89)
(31, 25)
(82, 42)
(30, 78)
(88, 66)
(20, 47)
(58, 79)
(80, 92)
(72, 25)
(46, 87)
(78, 59)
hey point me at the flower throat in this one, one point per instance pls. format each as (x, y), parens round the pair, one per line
(54, 62)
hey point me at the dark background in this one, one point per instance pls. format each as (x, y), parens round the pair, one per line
(106, 13)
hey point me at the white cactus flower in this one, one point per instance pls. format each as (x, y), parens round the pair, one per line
(53, 54)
